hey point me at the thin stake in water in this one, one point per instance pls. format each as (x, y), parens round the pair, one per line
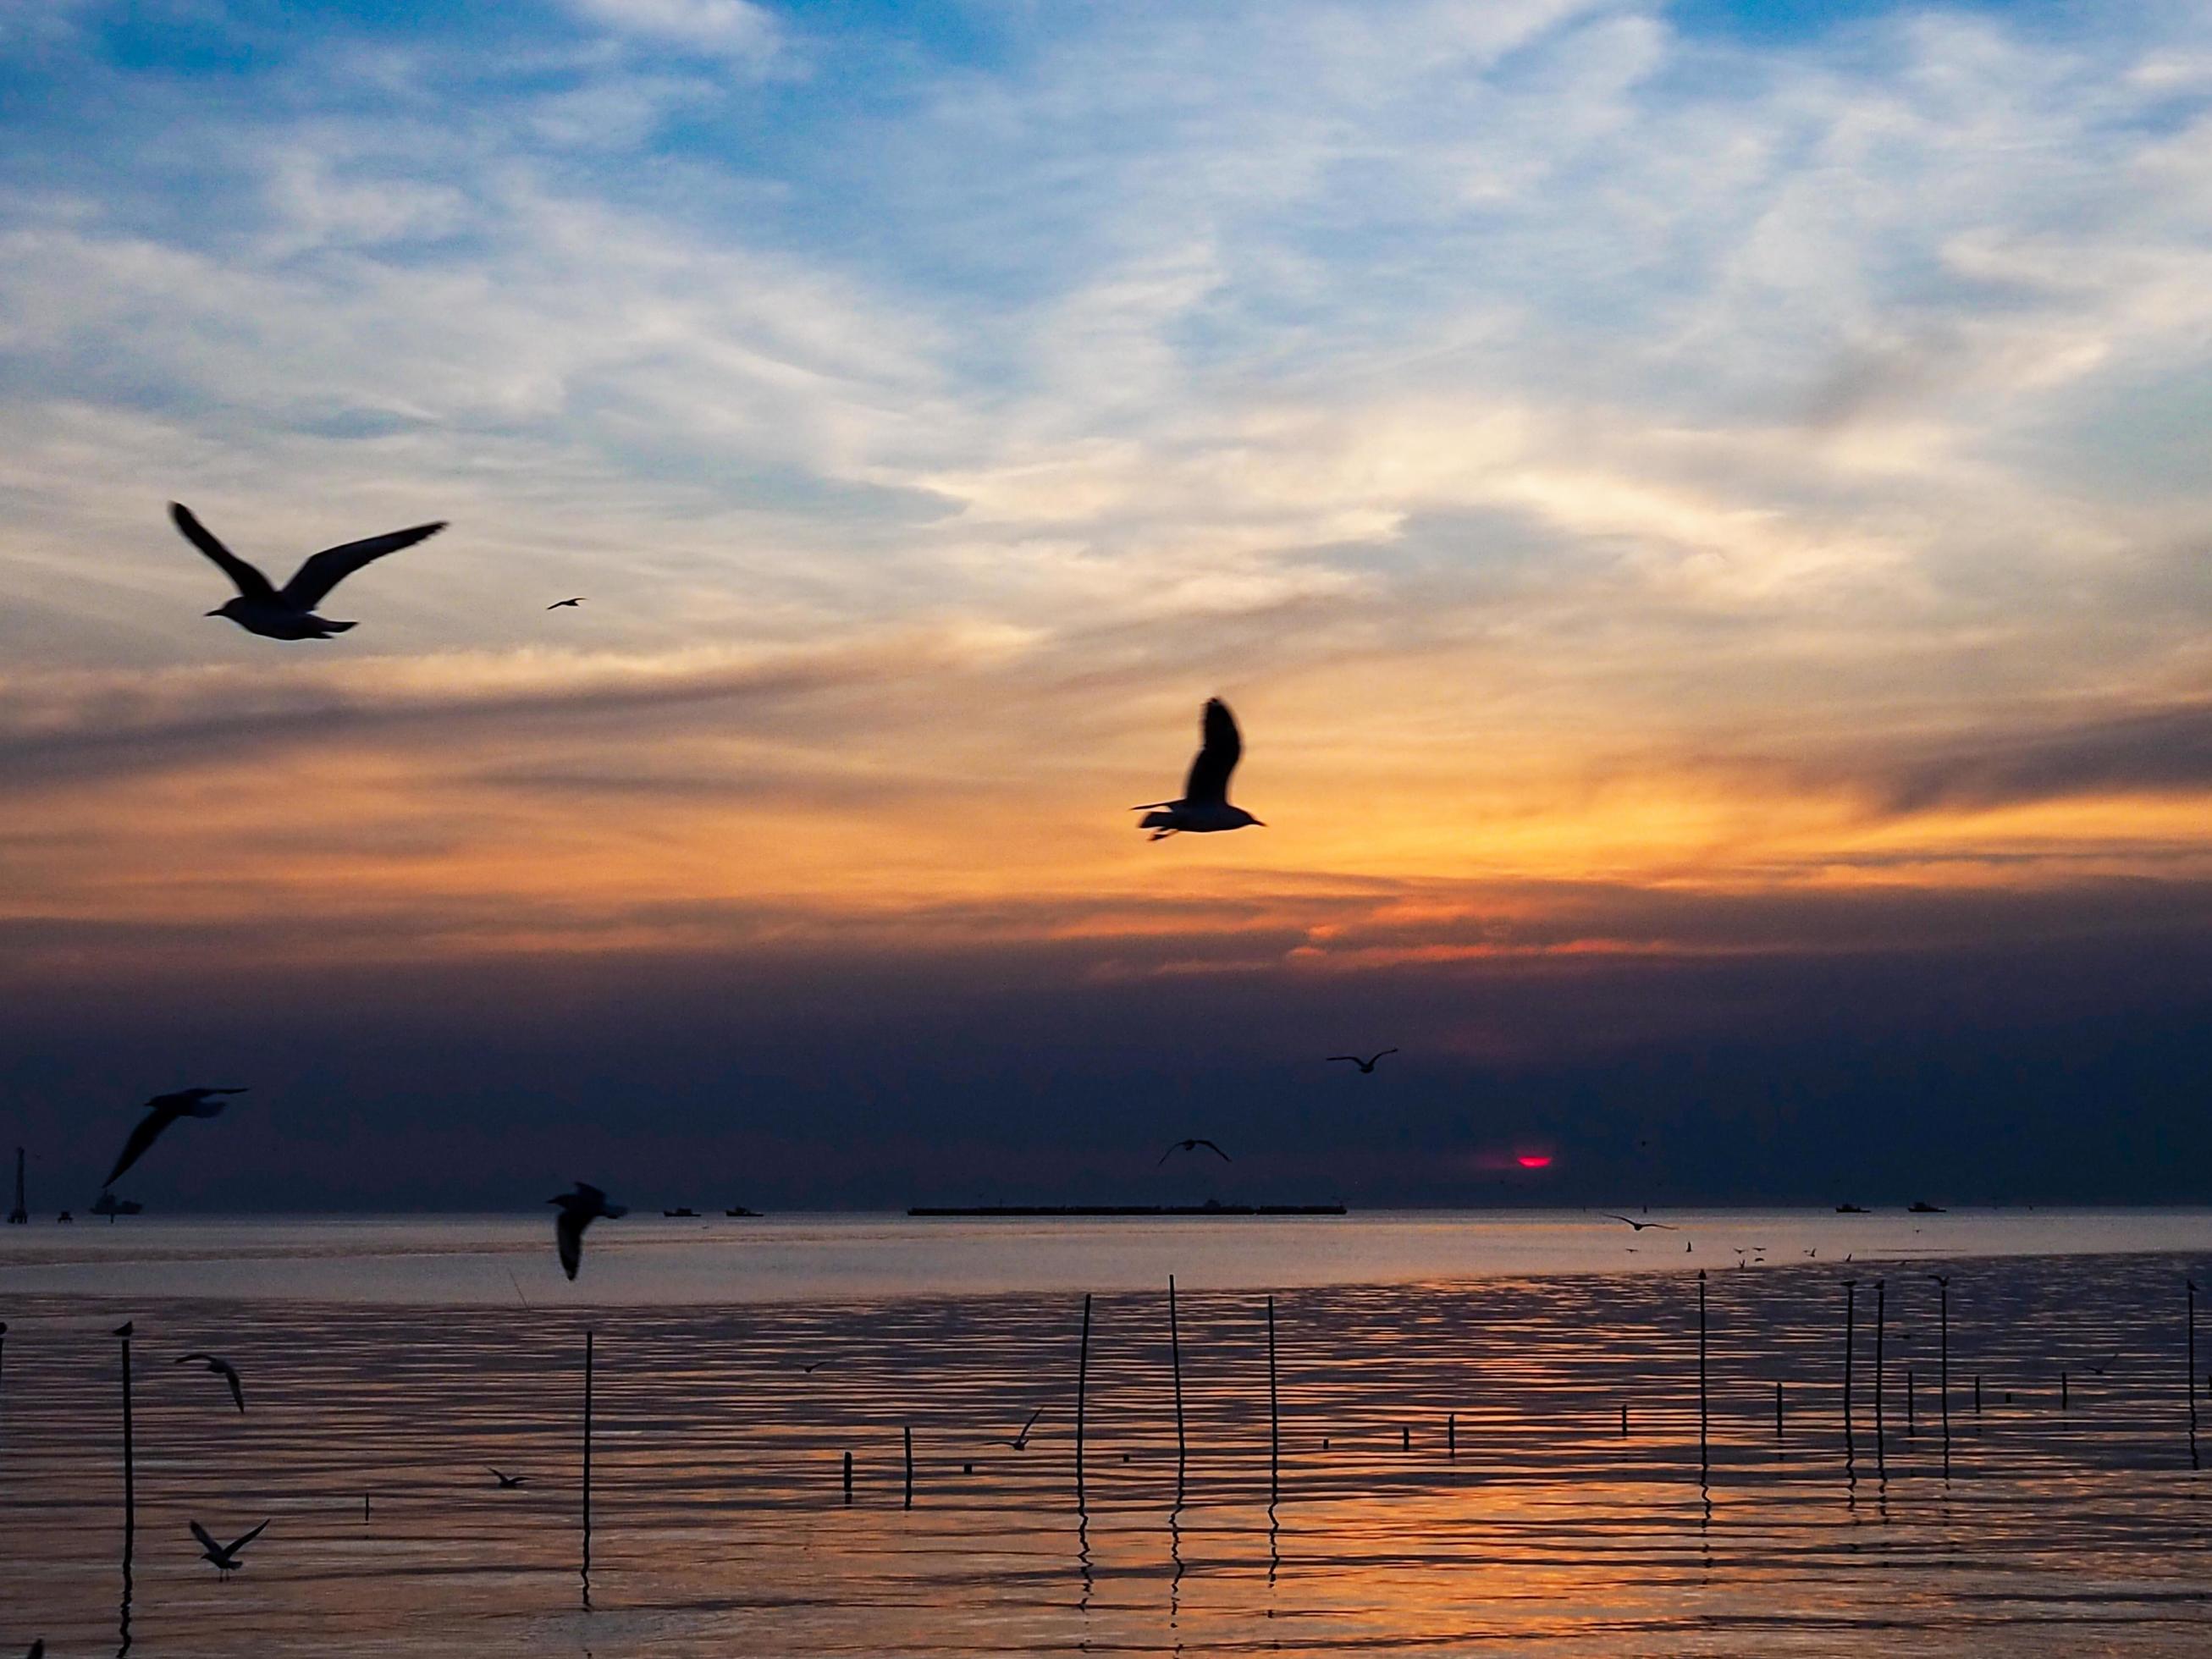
(1274, 1417)
(1175, 1362)
(1082, 1388)
(1704, 1456)
(1851, 1316)
(907, 1432)
(588, 1347)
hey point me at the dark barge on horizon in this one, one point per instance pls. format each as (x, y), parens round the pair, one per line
(1020, 1210)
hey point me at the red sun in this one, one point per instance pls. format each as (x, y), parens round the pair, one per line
(1534, 1160)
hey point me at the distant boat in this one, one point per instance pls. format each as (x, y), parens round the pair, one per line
(742, 1211)
(679, 1212)
(1852, 1209)
(111, 1206)
(1211, 1207)
(1921, 1206)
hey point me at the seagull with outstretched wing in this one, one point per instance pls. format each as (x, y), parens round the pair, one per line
(1192, 1145)
(579, 1210)
(288, 612)
(225, 1556)
(221, 1367)
(160, 1112)
(1639, 1225)
(1366, 1065)
(1205, 806)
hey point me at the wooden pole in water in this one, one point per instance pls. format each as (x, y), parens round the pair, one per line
(848, 1478)
(1082, 1388)
(907, 1431)
(2066, 1403)
(1943, 1361)
(589, 1344)
(1703, 1450)
(1623, 1420)
(1451, 1432)
(2189, 1377)
(1880, 1321)
(1778, 1411)
(129, 1457)
(1851, 1313)
(1912, 1407)
(1174, 1359)
(1274, 1417)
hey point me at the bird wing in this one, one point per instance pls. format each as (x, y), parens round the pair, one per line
(1354, 1059)
(1215, 1150)
(187, 1358)
(569, 1239)
(1386, 1051)
(1219, 749)
(207, 1539)
(1032, 1423)
(324, 570)
(148, 1130)
(237, 1545)
(1610, 1216)
(249, 582)
(228, 1372)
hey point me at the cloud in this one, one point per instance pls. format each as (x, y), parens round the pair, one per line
(735, 29)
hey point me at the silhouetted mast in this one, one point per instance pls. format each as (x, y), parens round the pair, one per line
(20, 1215)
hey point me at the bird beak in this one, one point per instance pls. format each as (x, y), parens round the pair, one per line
(1259, 824)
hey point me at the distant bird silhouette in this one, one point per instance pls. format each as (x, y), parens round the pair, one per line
(813, 1365)
(288, 612)
(123, 1329)
(1192, 1145)
(579, 1210)
(38, 1649)
(225, 1556)
(1365, 1065)
(222, 1368)
(560, 605)
(508, 1482)
(2111, 1360)
(160, 1112)
(1639, 1225)
(1021, 1442)
(1205, 806)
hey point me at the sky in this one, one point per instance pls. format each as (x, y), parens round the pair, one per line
(1700, 509)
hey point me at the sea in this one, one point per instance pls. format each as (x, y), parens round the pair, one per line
(1728, 1432)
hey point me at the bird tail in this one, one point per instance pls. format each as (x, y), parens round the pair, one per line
(330, 628)
(1155, 820)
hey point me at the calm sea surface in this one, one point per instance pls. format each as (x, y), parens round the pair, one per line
(1447, 1458)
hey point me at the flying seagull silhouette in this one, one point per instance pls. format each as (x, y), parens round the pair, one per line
(1205, 806)
(288, 612)
(2110, 1361)
(1639, 1225)
(225, 1556)
(123, 1329)
(1366, 1065)
(222, 1368)
(813, 1365)
(579, 1210)
(508, 1482)
(563, 605)
(1192, 1145)
(160, 1112)
(1021, 1442)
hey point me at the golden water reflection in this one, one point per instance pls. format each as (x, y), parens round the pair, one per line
(1453, 1473)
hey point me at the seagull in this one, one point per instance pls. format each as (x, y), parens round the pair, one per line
(222, 1368)
(1192, 1145)
(160, 1112)
(1365, 1065)
(1021, 1442)
(579, 1210)
(508, 1482)
(2110, 1361)
(225, 1556)
(813, 1365)
(1205, 805)
(1639, 1225)
(123, 1329)
(560, 605)
(288, 612)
